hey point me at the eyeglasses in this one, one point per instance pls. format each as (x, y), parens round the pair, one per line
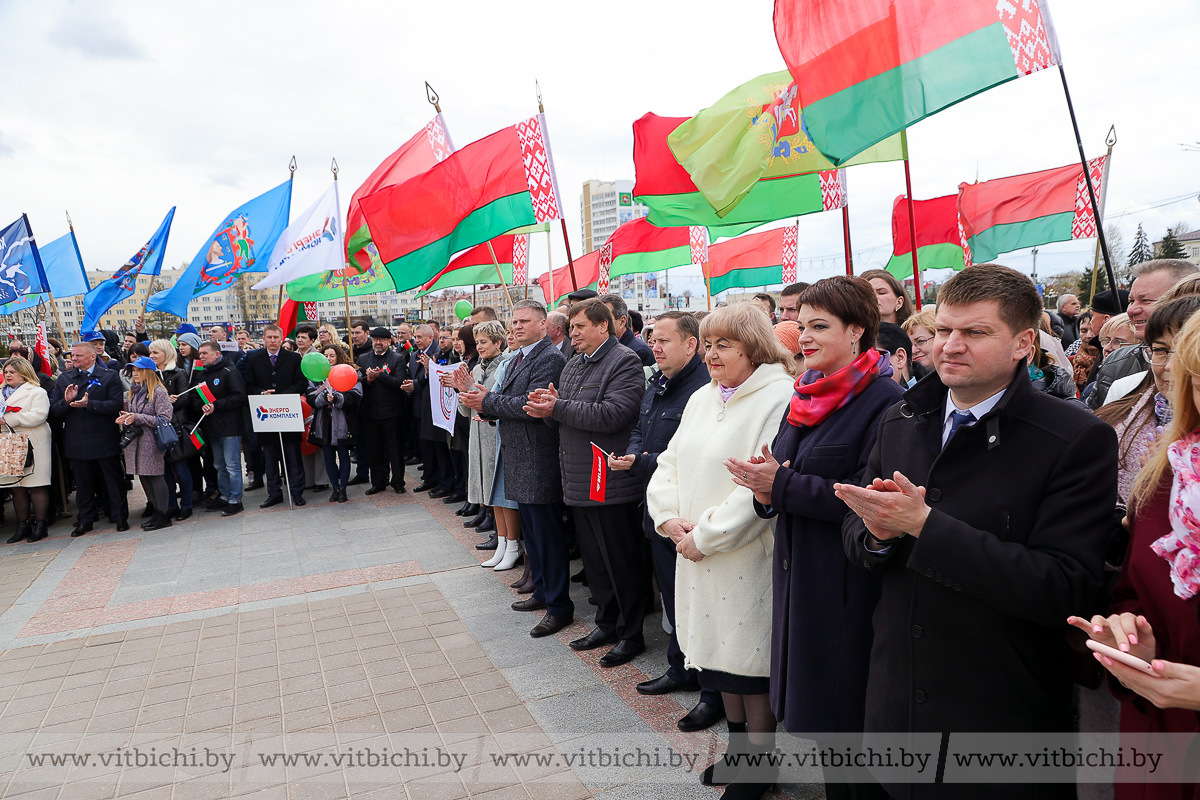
(1158, 356)
(1106, 341)
(922, 341)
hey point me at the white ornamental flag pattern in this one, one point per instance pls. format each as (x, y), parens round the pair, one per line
(962, 240)
(438, 137)
(310, 311)
(698, 237)
(605, 261)
(1030, 34)
(790, 246)
(520, 260)
(539, 169)
(1083, 225)
(833, 189)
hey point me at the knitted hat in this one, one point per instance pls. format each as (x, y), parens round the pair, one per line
(788, 334)
(190, 339)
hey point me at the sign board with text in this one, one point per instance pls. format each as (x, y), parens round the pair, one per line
(276, 413)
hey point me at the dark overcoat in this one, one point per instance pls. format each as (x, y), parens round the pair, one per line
(90, 432)
(819, 596)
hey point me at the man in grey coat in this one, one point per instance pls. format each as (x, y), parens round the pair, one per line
(597, 403)
(529, 452)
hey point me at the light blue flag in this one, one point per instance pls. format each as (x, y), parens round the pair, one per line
(147, 261)
(241, 243)
(64, 270)
(21, 271)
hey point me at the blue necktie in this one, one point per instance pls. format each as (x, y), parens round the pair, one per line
(957, 419)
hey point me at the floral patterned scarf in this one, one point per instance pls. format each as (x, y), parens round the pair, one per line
(817, 396)
(1181, 547)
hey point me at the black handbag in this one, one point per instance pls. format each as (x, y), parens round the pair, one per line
(165, 435)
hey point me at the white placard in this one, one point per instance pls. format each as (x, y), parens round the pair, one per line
(229, 347)
(443, 401)
(276, 413)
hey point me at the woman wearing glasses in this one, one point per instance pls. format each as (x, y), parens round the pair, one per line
(920, 327)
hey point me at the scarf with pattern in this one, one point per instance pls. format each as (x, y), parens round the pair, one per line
(1181, 547)
(817, 396)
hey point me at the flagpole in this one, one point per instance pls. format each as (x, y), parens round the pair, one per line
(78, 255)
(291, 179)
(333, 167)
(707, 285)
(37, 257)
(550, 262)
(1110, 140)
(496, 264)
(1087, 177)
(912, 220)
(846, 238)
(563, 219)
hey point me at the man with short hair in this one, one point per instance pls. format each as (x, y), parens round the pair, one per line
(622, 329)
(597, 402)
(405, 348)
(217, 333)
(482, 314)
(243, 340)
(556, 329)
(223, 424)
(681, 372)
(529, 457)
(385, 373)
(88, 398)
(360, 339)
(360, 345)
(273, 370)
(789, 301)
(1151, 279)
(986, 509)
(1067, 310)
(896, 343)
(435, 452)
(306, 339)
(767, 303)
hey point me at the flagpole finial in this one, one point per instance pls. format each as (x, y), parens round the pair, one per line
(292, 167)
(333, 167)
(69, 223)
(538, 87)
(432, 96)
(1111, 139)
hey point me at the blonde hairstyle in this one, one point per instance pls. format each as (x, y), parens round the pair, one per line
(492, 330)
(150, 381)
(746, 324)
(24, 369)
(925, 318)
(1184, 369)
(165, 347)
(329, 328)
(1118, 321)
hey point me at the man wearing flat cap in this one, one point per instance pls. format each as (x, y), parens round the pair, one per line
(384, 373)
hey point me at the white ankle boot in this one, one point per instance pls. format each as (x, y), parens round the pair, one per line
(498, 556)
(515, 548)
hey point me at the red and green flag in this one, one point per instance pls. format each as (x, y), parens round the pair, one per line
(197, 439)
(475, 266)
(206, 393)
(756, 131)
(587, 273)
(868, 69)
(939, 236)
(754, 259)
(294, 313)
(1037, 208)
(487, 188)
(667, 189)
(637, 247)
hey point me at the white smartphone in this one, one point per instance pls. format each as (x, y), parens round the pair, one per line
(1125, 658)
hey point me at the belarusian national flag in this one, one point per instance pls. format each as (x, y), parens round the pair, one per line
(870, 68)
(487, 188)
(205, 392)
(587, 270)
(639, 247)
(293, 313)
(475, 266)
(1008, 214)
(755, 259)
(756, 131)
(939, 236)
(673, 199)
(197, 440)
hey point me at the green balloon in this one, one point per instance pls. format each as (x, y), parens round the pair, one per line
(315, 367)
(463, 309)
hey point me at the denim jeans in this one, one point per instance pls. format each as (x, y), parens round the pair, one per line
(227, 456)
(337, 464)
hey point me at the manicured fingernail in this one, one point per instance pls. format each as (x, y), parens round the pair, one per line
(1098, 629)
(1133, 638)
(1107, 660)
(1124, 647)
(1097, 655)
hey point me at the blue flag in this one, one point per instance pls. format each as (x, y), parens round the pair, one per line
(63, 267)
(20, 263)
(241, 243)
(147, 261)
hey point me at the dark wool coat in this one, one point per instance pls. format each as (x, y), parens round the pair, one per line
(970, 628)
(229, 417)
(383, 398)
(528, 446)
(819, 596)
(598, 401)
(90, 432)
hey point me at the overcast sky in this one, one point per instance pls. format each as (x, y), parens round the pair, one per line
(118, 110)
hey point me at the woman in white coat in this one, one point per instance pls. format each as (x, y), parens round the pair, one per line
(26, 407)
(723, 572)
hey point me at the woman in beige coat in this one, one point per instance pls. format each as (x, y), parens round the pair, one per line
(26, 407)
(723, 594)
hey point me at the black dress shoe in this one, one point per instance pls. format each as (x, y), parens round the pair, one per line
(257, 483)
(579, 577)
(457, 497)
(439, 492)
(528, 604)
(214, 504)
(231, 509)
(376, 490)
(424, 487)
(491, 544)
(665, 684)
(704, 715)
(184, 513)
(122, 525)
(342, 496)
(550, 624)
(299, 501)
(271, 501)
(597, 638)
(80, 530)
(623, 652)
(357, 479)
(400, 489)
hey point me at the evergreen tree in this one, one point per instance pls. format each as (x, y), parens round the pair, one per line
(1170, 247)
(1141, 251)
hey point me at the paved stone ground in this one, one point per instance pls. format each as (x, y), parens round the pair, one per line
(362, 641)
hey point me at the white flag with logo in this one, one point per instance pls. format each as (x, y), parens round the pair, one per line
(312, 243)
(443, 401)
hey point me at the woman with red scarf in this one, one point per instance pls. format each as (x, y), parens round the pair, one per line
(821, 630)
(1156, 605)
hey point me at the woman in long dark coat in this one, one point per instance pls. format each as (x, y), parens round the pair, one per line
(821, 629)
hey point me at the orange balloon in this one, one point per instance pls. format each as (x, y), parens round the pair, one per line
(343, 377)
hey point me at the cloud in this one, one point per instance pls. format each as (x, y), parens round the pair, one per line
(87, 30)
(6, 150)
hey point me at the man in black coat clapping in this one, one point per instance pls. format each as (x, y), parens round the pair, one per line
(273, 370)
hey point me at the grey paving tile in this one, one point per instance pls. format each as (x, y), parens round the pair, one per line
(556, 675)
(585, 711)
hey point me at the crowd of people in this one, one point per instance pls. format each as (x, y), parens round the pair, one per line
(861, 519)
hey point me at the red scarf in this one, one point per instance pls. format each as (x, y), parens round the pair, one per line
(821, 396)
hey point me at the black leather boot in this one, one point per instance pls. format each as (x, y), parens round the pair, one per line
(488, 524)
(23, 531)
(478, 519)
(39, 531)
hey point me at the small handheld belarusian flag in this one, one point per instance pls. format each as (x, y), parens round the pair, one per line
(205, 392)
(196, 439)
